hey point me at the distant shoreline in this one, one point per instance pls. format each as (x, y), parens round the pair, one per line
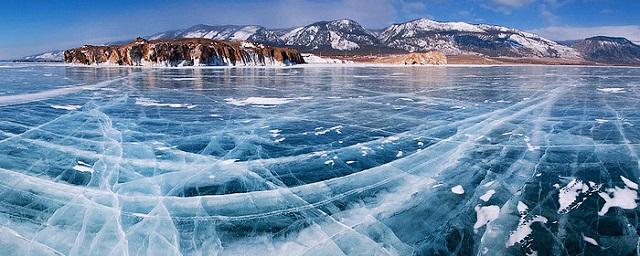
(333, 65)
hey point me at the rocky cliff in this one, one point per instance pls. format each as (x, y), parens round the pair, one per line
(427, 58)
(184, 52)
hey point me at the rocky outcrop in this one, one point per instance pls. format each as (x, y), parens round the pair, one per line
(427, 58)
(184, 52)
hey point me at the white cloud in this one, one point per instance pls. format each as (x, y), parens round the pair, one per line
(548, 16)
(284, 13)
(506, 6)
(631, 32)
(512, 3)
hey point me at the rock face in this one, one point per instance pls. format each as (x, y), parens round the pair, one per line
(428, 58)
(184, 52)
(455, 38)
(609, 50)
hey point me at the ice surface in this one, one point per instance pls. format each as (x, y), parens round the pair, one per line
(319, 161)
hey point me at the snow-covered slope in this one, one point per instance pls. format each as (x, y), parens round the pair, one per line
(342, 35)
(462, 38)
(614, 50)
(227, 32)
(52, 56)
(310, 58)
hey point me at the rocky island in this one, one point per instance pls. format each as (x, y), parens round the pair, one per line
(184, 52)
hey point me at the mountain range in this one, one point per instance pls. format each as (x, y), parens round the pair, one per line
(347, 37)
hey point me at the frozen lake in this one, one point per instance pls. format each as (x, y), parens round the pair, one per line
(319, 160)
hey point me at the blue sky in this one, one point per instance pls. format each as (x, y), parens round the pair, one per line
(31, 26)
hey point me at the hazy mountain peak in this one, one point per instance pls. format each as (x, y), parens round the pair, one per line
(611, 50)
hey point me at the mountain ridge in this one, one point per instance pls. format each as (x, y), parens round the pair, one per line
(348, 37)
(609, 50)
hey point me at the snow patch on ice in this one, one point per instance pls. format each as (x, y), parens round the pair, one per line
(590, 240)
(487, 195)
(568, 196)
(314, 59)
(611, 90)
(67, 107)
(146, 102)
(485, 215)
(524, 230)
(522, 207)
(83, 167)
(337, 128)
(275, 132)
(624, 198)
(458, 190)
(258, 101)
(629, 183)
(184, 79)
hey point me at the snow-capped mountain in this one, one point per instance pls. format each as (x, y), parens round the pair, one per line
(613, 50)
(52, 56)
(464, 38)
(253, 33)
(346, 36)
(342, 35)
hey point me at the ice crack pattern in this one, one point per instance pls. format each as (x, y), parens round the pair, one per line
(319, 161)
